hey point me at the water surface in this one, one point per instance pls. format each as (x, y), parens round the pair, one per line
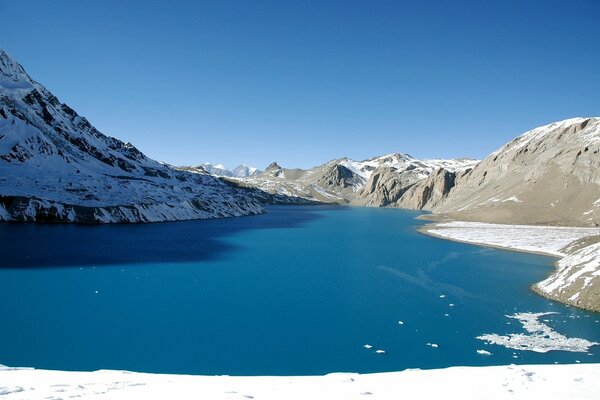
(297, 291)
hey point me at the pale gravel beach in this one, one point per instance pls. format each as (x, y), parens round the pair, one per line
(577, 381)
(549, 240)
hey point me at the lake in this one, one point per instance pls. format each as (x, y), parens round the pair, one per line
(297, 291)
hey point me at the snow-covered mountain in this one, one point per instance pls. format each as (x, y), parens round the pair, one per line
(241, 171)
(344, 180)
(55, 166)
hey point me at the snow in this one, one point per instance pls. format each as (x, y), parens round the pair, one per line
(513, 198)
(577, 270)
(577, 381)
(325, 193)
(540, 239)
(539, 338)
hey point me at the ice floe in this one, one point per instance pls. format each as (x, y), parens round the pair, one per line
(540, 337)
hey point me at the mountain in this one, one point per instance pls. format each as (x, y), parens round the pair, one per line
(549, 175)
(377, 181)
(55, 166)
(241, 171)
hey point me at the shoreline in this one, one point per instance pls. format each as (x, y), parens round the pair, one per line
(426, 231)
(567, 283)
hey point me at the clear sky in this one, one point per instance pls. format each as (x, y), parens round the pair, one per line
(303, 82)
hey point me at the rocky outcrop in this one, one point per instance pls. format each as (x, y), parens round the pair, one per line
(430, 192)
(56, 167)
(272, 167)
(385, 187)
(338, 176)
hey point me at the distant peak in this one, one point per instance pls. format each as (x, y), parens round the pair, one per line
(273, 166)
(12, 74)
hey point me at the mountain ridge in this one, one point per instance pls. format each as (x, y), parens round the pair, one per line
(56, 167)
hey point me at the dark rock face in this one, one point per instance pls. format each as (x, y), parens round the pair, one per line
(272, 167)
(430, 192)
(339, 176)
(386, 187)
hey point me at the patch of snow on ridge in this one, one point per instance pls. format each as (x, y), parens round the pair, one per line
(539, 338)
(513, 198)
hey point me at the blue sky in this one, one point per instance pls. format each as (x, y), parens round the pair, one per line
(303, 82)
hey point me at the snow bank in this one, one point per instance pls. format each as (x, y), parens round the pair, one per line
(579, 381)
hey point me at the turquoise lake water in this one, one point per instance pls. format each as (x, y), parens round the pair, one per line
(297, 291)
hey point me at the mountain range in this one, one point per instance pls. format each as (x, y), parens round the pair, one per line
(548, 175)
(55, 166)
(241, 171)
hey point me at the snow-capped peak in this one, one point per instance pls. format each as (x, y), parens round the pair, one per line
(241, 171)
(12, 74)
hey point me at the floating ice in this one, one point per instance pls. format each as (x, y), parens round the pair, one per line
(539, 337)
(435, 346)
(400, 322)
(380, 351)
(484, 352)
(442, 296)
(368, 346)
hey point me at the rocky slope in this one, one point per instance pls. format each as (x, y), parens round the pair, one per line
(549, 175)
(576, 280)
(56, 167)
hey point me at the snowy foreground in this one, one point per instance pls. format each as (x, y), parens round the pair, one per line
(580, 381)
(577, 276)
